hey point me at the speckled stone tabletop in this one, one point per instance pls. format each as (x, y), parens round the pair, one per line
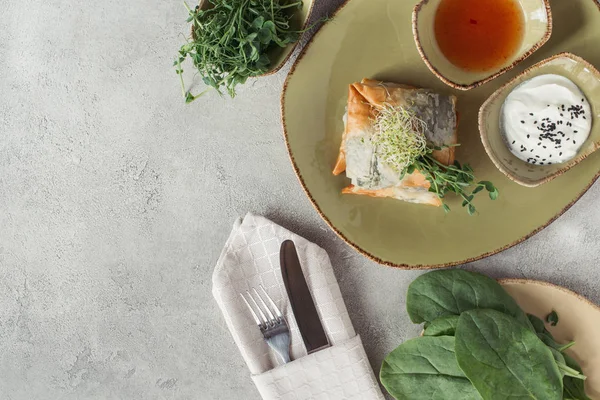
(116, 199)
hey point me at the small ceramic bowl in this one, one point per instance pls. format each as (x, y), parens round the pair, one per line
(538, 28)
(279, 56)
(584, 75)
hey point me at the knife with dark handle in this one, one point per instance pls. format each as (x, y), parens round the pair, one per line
(303, 306)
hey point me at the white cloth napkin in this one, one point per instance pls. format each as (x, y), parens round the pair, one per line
(251, 258)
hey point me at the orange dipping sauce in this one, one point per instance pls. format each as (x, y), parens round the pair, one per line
(479, 35)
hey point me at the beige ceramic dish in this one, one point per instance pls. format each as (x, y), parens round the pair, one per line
(576, 69)
(279, 56)
(538, 28)
(579, 321)
(373, 38)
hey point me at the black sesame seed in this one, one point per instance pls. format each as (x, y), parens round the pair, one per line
(560, 153)
(513, 141)
(528, 136)
(531, 114)
(537, 156)
(544, 146)
(522, 122)
(574, 131)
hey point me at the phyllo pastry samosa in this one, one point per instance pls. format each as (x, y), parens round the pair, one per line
(387, 127)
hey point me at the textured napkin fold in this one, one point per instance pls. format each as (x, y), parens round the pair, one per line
(251, 258)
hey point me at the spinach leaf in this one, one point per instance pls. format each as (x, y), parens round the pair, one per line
(443, 326)
(573, 378)
(574, 388)
(426, 368)
(552, 318)
(451, 292)
(503, 359)
(537, 324)
(548, 340)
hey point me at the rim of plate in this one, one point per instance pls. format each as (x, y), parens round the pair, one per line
(355, 246)
(473, 85)
(550, 285)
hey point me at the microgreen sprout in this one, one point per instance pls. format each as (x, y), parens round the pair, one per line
(401, 143)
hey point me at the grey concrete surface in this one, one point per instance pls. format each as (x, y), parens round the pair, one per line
(116, 198)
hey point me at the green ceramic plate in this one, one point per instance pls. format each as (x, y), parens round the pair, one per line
(373, 38)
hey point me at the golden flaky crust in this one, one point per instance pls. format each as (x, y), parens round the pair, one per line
(363, 100)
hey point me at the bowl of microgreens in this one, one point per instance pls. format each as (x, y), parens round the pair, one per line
(233, 40)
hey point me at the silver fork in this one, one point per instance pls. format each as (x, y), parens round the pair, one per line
(270, 321)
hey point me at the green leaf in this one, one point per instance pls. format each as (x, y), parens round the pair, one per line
(451, 292)
(537, 324)
(471, 209)
(426, 368)
(258, 22)
(402, 175)
(573, 388)
(478, 189)
(489, 186)
(189, 97)
(263, 61)
(271, 26)
(548, 340)
(210, 81)
(552, 318)
(494, 194)
(444, 326)
(265, 35)
(410, 169)
(503, 359)
(446, 208)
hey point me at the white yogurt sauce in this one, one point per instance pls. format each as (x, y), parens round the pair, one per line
(546, 120)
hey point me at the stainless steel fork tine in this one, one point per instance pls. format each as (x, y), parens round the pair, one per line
(263, 317)
(265, 307)
(256, 319)
(271, 302)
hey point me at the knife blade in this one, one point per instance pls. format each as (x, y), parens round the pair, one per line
(302, 303)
